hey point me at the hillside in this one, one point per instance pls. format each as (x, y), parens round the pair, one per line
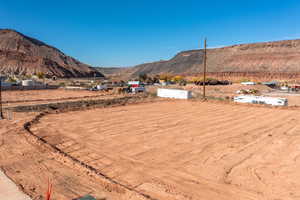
(22, 55)
(281, 57)
(112, 70)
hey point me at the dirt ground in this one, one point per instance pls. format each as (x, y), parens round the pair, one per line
(45, 94)
(30, 164)
(168, 150)
(30, 97)
(227, 90)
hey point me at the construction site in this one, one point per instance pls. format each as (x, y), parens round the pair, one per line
(165, 140)
(142, 147)
(154, 115)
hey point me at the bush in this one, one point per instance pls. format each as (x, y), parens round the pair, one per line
(244, 80)
(28, 76)
(177, 79)
(40, 75)
(143, 77)
(62, 84)
(165, 77)
(200, 79)
(12, 80)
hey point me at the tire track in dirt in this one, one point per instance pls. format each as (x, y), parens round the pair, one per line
(82, 164)
(153, 143)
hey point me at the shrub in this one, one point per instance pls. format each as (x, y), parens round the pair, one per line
(12, 79)
(62, 84)
(165, 77)
(177, 79)
(143, 77)
(244, 80)
(40, 75)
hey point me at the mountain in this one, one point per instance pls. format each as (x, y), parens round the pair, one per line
(281, 57)
(23, 55)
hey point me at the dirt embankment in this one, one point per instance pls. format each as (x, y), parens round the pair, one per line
(77, 105)
(33, 97)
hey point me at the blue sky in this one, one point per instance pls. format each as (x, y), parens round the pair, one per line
(129, 32)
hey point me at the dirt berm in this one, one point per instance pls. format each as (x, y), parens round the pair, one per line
(77, 105)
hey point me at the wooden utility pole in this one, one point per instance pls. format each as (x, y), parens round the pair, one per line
(204, 70)
(1, 111)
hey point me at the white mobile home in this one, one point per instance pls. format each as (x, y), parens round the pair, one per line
(274, 101)
(174, 93)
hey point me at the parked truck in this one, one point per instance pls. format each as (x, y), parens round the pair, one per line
(136, 86)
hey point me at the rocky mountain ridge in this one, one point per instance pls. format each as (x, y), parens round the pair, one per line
(23, 55)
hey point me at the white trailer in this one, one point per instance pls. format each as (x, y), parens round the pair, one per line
(174, 93)
(101, 87)
(28, 83)
(248, 83)
(274, 101)
(137, 89)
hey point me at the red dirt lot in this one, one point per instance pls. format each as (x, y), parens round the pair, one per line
(30, 164)
(184, 149)
(45, 94)
(31, 97)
